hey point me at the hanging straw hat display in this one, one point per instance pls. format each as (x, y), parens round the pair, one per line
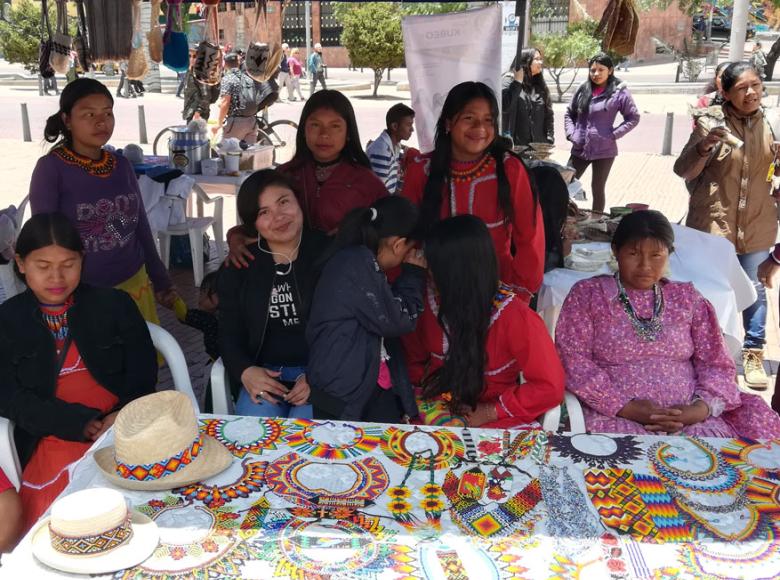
(155, 36)
(109, 30)
(61, 41)
(44, 51)
(157, 445)
(92, 532)
(619, 26)
(137, 66)
(208, 56)
(262, 60)
(176, 50)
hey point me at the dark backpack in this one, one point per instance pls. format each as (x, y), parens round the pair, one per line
(249, 97)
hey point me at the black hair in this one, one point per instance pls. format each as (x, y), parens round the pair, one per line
(209, 282)
(643, 225)
(367, 226)
(248, 199)
(732, 73)
(46, 229)
(440, 177)
(464, 267)
(339, 103)
(56, 131)
(712, 86)
(584, 94)
(530, 81)
(396, 114)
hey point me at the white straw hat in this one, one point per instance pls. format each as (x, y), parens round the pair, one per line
(157, 445)
(92, 532)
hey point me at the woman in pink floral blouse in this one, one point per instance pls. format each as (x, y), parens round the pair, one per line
(646, 355)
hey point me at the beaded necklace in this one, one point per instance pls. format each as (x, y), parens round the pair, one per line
(432, 504)
(103, 167)
(647, 329)
(323, 171)
(718, 478)
(471, 170)
(57, 319)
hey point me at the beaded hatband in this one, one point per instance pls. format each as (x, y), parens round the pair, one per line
(91, 545)
(160, 469)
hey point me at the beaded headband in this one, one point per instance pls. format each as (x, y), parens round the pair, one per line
(94, 544)
(160, 469)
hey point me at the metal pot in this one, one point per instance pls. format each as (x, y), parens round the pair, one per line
(186, 149)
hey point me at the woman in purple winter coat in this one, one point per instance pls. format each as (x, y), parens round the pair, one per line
(590, 123)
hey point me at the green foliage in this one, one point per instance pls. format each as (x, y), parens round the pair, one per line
(563, 54)
(423, 8)
(372, 35)
(20, 38)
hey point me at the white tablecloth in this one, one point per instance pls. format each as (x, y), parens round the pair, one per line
(706, 260)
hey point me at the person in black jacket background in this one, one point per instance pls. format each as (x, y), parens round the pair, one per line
(526, 104)
(263, 308)
(71, 356)
(356, 366)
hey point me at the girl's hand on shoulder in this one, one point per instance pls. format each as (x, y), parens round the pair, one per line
(299, 394)
(238, 252)
(416, 257)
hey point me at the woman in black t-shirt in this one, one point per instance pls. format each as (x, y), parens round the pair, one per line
(263, 308)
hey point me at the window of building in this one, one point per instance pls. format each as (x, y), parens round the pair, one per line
(294, 24)
(330, 27)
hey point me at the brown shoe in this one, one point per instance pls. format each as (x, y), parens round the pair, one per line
(753, 364)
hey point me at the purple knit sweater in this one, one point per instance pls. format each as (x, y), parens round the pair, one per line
(108, 212)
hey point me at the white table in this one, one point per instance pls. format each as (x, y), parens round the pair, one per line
(706, 260)
(233, 181)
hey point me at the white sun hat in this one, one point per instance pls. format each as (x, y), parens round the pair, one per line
(157, 446)
(92, 532)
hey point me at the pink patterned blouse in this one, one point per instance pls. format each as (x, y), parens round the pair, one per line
(607, 364)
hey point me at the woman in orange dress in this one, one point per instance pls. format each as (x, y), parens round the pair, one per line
(71, 356)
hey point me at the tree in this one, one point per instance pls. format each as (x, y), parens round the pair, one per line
(372, 35)
(20, 38)
(563, 54)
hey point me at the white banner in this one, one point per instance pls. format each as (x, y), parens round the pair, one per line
(509, 27)
(443, 50)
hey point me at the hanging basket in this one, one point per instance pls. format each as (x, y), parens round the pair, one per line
(208, 57)
(262, 60)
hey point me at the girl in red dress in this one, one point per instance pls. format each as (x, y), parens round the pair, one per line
(71, 356)
(476, 337)
(471, 172)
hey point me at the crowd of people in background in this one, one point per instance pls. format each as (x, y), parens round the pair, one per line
(383, 284)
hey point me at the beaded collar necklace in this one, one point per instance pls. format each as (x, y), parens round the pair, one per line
(647, 329)
(466, 171)
(322, 171)
(103, 167)
(56, 318)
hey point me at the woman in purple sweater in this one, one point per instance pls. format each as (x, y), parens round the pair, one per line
(590, 124)
(98, 191)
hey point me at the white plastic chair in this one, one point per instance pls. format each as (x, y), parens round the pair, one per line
(221, 399)
(8, 281)
(9, 460)
(552, 418)
(173, 355)
(195, 227)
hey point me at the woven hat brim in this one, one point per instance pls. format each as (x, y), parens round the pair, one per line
(213, 458)
(145, 538)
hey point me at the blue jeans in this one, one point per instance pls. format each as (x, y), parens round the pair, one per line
(754, 317)
(246, 406)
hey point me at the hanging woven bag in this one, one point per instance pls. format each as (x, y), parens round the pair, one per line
(61, 42)
(137, 66)
(155, 36)
(44, 51)
(208, 58)
(176, 52)
(262, 60)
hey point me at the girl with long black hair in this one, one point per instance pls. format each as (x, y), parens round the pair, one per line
(356, 368)
(470, 171)
(330, 171)
(476, 337)
(590, 123)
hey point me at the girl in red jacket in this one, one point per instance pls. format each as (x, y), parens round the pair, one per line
(470, 172)
(330, 171)
(476, 336)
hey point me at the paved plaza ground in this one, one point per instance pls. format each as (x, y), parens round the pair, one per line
(640, 173)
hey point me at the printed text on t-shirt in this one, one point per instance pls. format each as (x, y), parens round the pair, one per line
(283, 305)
